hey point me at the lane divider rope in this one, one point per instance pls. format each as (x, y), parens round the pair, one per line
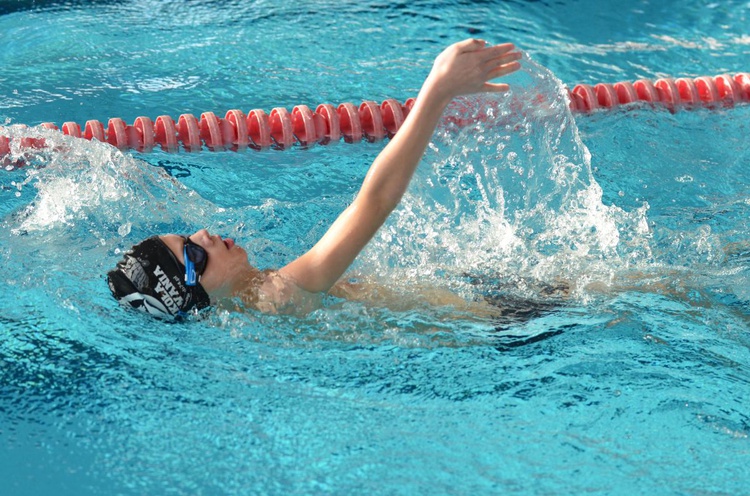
(282, 129)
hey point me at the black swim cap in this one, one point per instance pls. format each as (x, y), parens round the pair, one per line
(152, 279)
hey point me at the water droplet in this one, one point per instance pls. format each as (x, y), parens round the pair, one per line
(124, 229)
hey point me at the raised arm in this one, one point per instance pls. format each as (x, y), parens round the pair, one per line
(463, 68)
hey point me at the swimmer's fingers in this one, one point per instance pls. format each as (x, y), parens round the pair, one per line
(499, 61)
(495, 51)
(499, 87)
(503, 64)
(487, 52)
(496, 87)
(504, 70)
(500, 71)
(506, 59)
(491, 59)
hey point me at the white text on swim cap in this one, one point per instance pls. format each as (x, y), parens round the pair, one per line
(169, 294)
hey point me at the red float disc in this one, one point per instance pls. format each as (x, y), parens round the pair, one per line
(393, 116)
(142, 137)
(588, 100)
(743, 81)
(303, 125)
(351, 127)
(165, 133)
(371, 120)
(235, 130)
(606, 96)
(625, 92)
(210, 129)
(280, 122)
(188, 132)
(94, 130)
(687, 91)
(71, 129)
(117, 134)
(4, 145)
(646, 91)
(258, 128)
(707, 91)
(669, 95)
(330, 119)
(728, 90)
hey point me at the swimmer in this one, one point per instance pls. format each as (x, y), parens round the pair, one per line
(174, 275)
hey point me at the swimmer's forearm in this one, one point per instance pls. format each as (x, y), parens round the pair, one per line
(391, 172)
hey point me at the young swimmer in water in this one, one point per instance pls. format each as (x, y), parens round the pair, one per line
(171, 275)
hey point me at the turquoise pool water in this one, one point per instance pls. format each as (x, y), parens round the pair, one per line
(637, 383)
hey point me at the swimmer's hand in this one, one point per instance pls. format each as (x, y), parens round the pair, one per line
(468, 67)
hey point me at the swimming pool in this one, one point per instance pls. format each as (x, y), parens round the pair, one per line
(642, 389)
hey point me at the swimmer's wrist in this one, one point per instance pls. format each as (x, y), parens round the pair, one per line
(433, 95)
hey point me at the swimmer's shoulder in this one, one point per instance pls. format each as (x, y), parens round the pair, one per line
(277, 293)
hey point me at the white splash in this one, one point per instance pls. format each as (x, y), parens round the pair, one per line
(95, 187)
(507, 190)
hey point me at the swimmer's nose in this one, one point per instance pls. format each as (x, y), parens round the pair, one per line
(201, 234)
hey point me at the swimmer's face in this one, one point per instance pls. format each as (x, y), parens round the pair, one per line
(227, 262)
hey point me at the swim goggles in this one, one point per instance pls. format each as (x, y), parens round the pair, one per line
(196, 259)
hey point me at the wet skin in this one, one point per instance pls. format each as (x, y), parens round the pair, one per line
(228, 267)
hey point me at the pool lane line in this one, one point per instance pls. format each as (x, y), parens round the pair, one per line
(370, 121)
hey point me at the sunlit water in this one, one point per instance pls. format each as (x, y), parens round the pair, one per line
(618, 250)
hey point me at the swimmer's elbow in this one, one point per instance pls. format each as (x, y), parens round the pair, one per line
(377, 204)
